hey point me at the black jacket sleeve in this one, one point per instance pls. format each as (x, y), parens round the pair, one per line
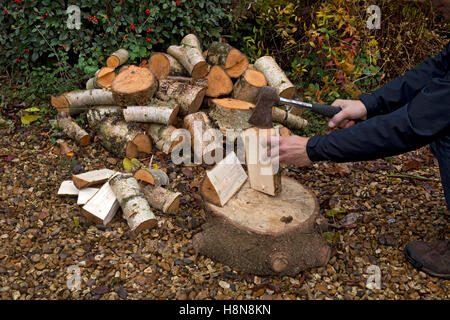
(425, 118)
(401, 90)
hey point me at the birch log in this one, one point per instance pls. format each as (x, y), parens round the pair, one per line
(275, 76)
(189, 54)
(118, 58)
(135, 207)
(219, 83)
(163, 65)
(288, 119)
(230, 114)
(162, 112)
(247, 87)
(161, 198)
(75, 102)
(162, 137)
(155, 177)
(233, 61)
(72, 130)
(189, 97)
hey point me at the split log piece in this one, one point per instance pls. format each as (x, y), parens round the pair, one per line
(118, 58)
(189, 54)
(85, 195)
(67, 188)
(134, 87)
(157, 111)
(223, 181)
(105, 77)
(92, 178)
(135, 207)
(102, 207)
(275, 76)
(247, 87)
(161, 199)
(189, 97)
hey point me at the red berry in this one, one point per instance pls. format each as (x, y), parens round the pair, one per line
(147, 11)
(27, 50)
(5, 11)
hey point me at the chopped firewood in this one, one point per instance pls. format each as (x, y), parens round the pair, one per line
(285, 132)
(219, 83)
(247, 87)
(161, 198)
(102, 207)
(92, 82)
(275, 76)
(230, 114)
(288, 119)
(162, 137)
(223, 181)
(118, 58)
(117, 136)
(64, 147)
(72, 130)
(157, 111)
(76, 102)
(189, 97)
(67, 188)
(92, 178)
(105, 77)
(233, 61)
(202, 132)
(134, 86)
(135, 207)
(163, 65)
(95, 116)
(189, 54)
(264, 175)
(85, 195)
(155, 177)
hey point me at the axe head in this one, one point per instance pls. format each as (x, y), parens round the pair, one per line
(262, 115)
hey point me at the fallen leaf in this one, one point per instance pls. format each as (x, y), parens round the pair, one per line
(29, 118)
(9, 158)
(32, 109)
(412, 164)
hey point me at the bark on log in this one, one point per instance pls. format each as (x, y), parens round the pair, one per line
(163, 65)
(92, 82)
(75, 102)
(189, 54)
(118, 58)
(230, 114)
(207, 141)
(72, 130)
(265, 235)
(162, 112)
(275, 76)
(134, 87)
(162, 137)
(288, 119)
(189, 97)
(264, 175)
(119, 137)
(135, 207)
(247, 87)
(155, 177)
(161, 198)
(219, 83)
(223, 181)
(233, 61)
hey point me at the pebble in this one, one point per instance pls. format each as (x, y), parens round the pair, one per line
(224, 284)
(40, 266)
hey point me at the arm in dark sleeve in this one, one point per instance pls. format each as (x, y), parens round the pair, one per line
(402, 90)
(424, 119)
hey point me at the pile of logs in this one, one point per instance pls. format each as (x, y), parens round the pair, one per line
(135, 108)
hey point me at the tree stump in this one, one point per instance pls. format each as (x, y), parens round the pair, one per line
(265, 235)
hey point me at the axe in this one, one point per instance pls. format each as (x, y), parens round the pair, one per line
(268, 97)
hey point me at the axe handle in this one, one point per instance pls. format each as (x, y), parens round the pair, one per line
(325, 110)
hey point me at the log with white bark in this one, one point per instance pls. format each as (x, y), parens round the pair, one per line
(163, 65)
(162, 137)
(72, 130)
(218, 82)
(247, 87)
(189, 97)
(189, 54)
(275, 76)
(118, 58)
(233, 61)
(92, 82)
(85, 195)
(75, 102)
(223, 181)
(68, 188)
(161, 199)
(102, 207)
(119, 137)
(288, 119)
(207, 141)
(263, 173)
(230, 114)
(134, 86)
(92, 178)
(157, 111)
(155, 177)
(135, 207)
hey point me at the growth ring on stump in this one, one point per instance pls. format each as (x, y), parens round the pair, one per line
(266, 235)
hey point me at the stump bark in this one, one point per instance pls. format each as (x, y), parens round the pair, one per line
(265, 235)
(134, 86)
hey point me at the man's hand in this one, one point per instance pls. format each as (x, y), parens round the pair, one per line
(292, 150)
(351, 110)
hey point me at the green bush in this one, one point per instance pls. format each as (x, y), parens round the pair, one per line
(35, 33)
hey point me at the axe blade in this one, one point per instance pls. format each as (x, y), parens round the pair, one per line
(262, 115)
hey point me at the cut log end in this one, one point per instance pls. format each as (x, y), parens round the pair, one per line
(219, 83)
(105, 77)
(131, 150)
(60, 103)
(85, 140)
(200, 70)
(143, 143)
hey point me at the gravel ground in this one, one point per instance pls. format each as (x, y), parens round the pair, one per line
(42, 235)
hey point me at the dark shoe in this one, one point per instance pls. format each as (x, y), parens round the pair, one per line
(432, 258)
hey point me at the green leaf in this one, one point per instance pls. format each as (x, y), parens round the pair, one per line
(131, 165)
(29, 119)
(33, 109)
(76, 222)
